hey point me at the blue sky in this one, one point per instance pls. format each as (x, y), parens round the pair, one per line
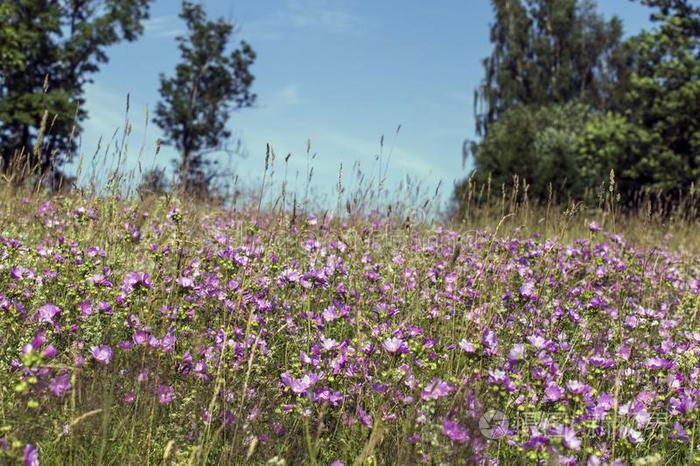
(338, 72)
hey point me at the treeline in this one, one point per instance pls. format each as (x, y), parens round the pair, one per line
(565, 104)
(565, 101)
(49, 51)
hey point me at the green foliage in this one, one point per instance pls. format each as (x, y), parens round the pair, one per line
(653, 144)
(554, 63)
(10, 41)
(609, 142)
(549, 51)
(664, 99)
(49, 50)
(196, 102)
(538, 144)
(631, 107)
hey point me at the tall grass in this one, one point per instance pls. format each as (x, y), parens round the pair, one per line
(369, 329)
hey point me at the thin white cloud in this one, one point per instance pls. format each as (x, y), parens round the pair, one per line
(165, 27)
(106, 111)
(313, 14)
(340, 144)
(287, 96)
(329, 16)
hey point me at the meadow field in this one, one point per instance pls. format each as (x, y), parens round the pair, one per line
(514, 279)
(155, 331)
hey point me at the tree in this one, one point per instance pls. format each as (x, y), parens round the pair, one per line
(208, 84)
(664, 98)
(48, 51)
(537, 143)
(549, 52)
(554, 64)
(608, 142)
(653, 142)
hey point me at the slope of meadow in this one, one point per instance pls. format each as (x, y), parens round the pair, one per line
(155, 332)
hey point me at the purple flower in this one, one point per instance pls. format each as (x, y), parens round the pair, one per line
(140, 337)
(569, 438)
(278, 429)
(174, 214)
(527, 290)
(31, 455)
(16, 273)
(85, 308)
(105, 307)
(328, 344)
(167, 343)
(679, 433)
(166, 394)
(330, 314)
(658, 363)
(49, 352)
(577, 388)
(300, 385)
(436, 389)
(324, 394)
(36, 343)
(553, 392)
(395, 345)
(516, 353)
(454, 431)
(490, 342)
(102, 354)
(467, 346)
(185, 282)
(537, 341)
(143, 375)
(134, 279)
(290, 276)
(365, 418)
(594, 226)
(634, 436)
(60, 385)
(47, 312)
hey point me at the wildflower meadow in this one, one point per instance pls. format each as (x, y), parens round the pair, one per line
(157, 332)
(513, 278)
